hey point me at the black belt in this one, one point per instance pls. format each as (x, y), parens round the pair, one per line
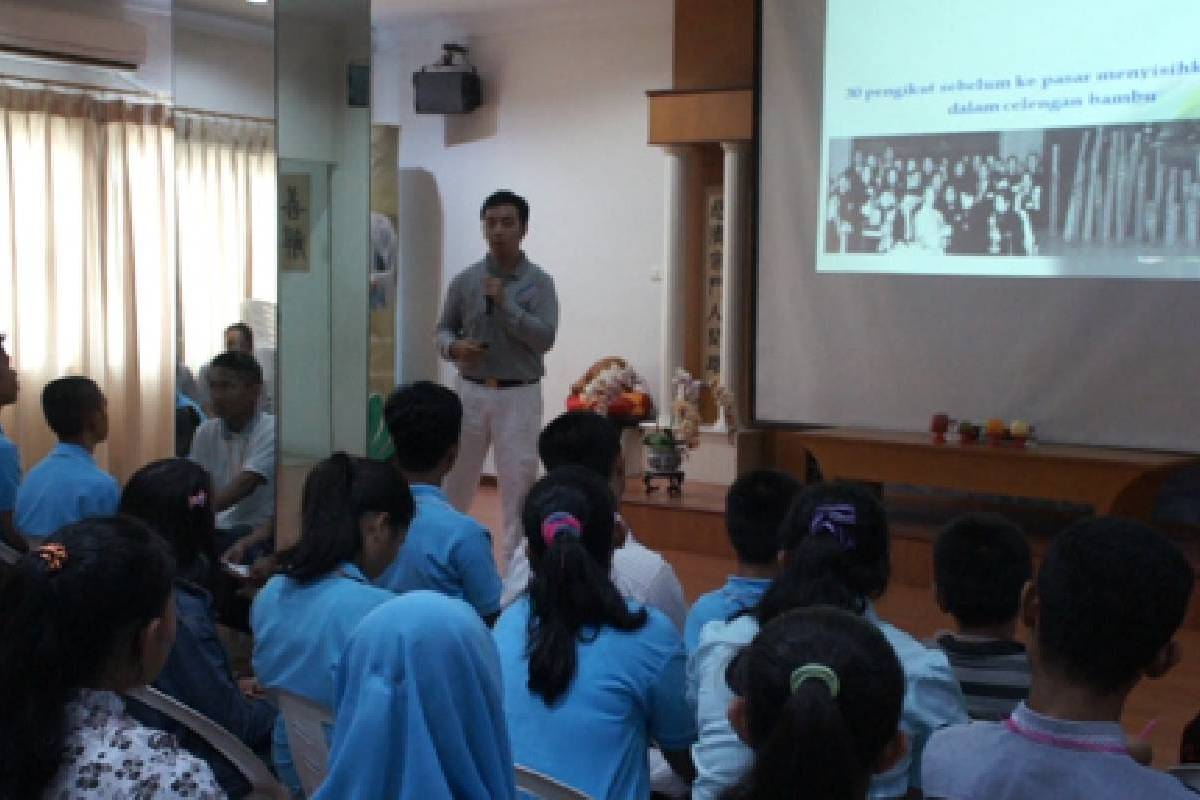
(500, 383)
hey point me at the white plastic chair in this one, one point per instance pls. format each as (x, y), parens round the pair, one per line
(263, 785)
(305, 723)
(544, 787)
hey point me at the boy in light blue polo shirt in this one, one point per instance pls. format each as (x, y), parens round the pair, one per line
(10, 457)
(754, 506)
(446, 550)
(67, 486)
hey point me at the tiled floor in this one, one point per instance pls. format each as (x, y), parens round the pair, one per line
(1172, 701)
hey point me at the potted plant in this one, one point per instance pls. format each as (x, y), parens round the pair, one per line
(664, 453)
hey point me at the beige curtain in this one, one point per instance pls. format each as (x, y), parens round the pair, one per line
(87, 251)
(225, 178)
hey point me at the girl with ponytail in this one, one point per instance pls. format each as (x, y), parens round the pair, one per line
(817, 698)
(88, 615)
(590, 680)
(354, 513)
(836, 552)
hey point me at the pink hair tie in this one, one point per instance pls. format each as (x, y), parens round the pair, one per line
(560, 522)
(198, 500)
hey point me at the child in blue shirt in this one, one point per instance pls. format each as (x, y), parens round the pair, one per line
(10, 456)
(354, 513)
(67, 486)
(590, 679)
(445, 550)
(754, 506)
(1103, 613)
(817, 697)
(836, 553)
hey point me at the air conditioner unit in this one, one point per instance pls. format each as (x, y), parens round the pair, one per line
(76, 38)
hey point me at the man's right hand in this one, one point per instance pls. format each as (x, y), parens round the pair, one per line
(466, 350)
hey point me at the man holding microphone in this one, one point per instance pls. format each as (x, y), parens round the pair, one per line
(499, 319)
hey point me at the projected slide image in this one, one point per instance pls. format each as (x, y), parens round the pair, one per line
(1118, 193)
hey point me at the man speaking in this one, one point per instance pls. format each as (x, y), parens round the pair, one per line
(498, 321)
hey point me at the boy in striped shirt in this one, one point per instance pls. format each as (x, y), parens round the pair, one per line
(981, 562)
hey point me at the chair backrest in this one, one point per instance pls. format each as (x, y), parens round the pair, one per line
(543, 787)
(305, 722)
(262, 783)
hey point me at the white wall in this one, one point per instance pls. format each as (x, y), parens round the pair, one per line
(231, 70)
(564, 124)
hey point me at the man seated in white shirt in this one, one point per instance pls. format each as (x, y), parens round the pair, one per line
(237, 447)
(586, 439)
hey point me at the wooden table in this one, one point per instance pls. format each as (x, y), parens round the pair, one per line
(1111, 480)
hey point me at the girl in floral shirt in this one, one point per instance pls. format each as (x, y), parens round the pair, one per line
(86, 616)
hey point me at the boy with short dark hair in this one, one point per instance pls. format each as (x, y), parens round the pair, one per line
(445, 550)
(67, 486)
(981, 563)
(754, 506)
(1103, 611)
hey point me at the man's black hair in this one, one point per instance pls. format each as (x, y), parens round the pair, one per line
(69, 405)
(755, 505)
(424, 420)
(980, 564)
(245, 330)
(506, 198)
(1111, 594)
(244, 365)
(580, 438)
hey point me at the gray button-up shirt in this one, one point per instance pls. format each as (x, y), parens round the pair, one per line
(518, 332)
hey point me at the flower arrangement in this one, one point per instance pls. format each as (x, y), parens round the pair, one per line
(614, 389)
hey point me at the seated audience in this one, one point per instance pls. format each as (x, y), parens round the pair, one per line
(1189, 743)
(67, 486)
(10, 456)
(237, 447)
(817, 697)
(87, 615)
(836, 552)
(418, 704)
(445, 550)
(174, 497)
(981, 563)
(590, 679)
(586, 439)
(353, 516)
(1103, 613)
(754, 506)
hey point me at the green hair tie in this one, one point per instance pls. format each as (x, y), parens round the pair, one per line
(818, 672)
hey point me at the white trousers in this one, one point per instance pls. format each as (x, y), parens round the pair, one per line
(508, 420)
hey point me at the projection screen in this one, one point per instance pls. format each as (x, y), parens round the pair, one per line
(992, 211)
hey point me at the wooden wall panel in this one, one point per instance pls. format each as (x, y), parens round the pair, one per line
(714, 44)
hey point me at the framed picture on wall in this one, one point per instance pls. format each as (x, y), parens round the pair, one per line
(294, 229)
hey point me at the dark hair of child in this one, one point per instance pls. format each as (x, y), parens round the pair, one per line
(337, 493)
(823, 691)
(424, 420)
(980, 563)
(73, 612)
(568, 523)
(1111, 594)
(69, 405)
